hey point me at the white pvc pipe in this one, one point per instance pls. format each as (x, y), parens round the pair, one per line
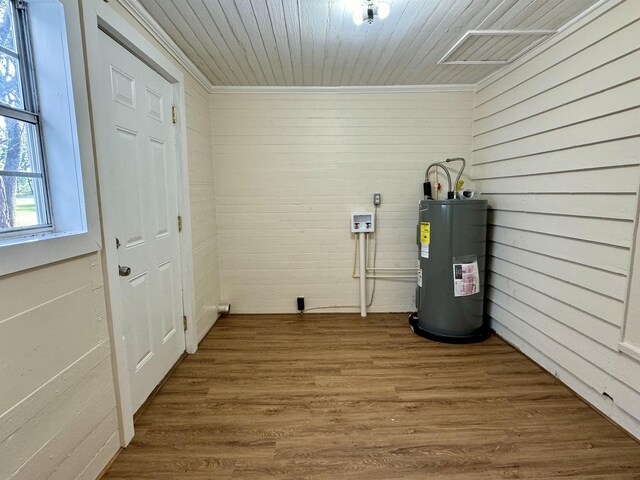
(224, 308)
(393, 269)
(373, 275)
(391, 276)
(363, 275)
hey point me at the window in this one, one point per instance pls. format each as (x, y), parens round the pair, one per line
(48, 201)
(23, 196)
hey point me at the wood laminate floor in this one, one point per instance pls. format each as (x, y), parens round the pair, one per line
(333, 397)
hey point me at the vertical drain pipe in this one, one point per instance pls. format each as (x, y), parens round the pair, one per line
(363, 274)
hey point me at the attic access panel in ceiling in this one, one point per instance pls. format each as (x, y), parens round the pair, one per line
(493, 47)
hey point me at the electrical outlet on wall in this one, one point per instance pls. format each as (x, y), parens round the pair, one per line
(377, 199)
(300, 304)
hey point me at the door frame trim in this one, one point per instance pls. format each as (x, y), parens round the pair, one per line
(98, 15)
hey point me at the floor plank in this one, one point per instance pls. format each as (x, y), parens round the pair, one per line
(341, 397)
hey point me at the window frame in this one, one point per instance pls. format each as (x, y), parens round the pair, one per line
(30, 115)
(59, 55)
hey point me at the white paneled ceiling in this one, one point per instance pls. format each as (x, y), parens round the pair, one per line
(316, 43)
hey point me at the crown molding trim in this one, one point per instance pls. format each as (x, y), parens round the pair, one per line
(135, 8)
(360, 89)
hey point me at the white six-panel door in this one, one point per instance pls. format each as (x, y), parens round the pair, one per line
(141, 188)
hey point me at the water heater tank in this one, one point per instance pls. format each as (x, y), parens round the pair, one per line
(450, 292)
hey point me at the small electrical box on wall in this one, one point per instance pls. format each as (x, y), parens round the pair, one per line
(362, 222)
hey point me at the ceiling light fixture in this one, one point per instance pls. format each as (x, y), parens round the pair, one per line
(365, 11)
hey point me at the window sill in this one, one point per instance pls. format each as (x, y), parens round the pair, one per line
(30, 251)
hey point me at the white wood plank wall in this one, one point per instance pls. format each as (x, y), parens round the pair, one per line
(57, 398)
(556, 152)
(291, 167)
(203, 205)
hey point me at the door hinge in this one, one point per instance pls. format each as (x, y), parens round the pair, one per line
(184, 322)
(179, 223)
(174, 114)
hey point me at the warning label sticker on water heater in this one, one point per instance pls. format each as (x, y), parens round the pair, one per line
(466, 279)
(425, 232)
(425, 239)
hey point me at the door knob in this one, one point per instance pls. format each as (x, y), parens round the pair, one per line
(124, 271)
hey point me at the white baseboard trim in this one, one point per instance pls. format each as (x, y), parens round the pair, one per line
(208, 325)
(98, 465)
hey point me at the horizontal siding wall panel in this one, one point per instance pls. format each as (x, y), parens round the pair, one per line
(347, 139)
(290, 169)
(625, 152)
(605, 257)
(623, 178)
(18, 348)
(328, 132)
(428, 150)
(599, 130)
(67, 439)
(93, 448)
(599, 281)
(25, 442)
(73, 277)
(592, 326)
(608, 76)
(620, 207)
(366, 112)
(202, 202)
(556, 154)
(296, 201)
(55, 369)
(20, 413)
(249, 121)
(342, 100)
(607, 103)
(613, 232)
(599, 306)
(348, 104)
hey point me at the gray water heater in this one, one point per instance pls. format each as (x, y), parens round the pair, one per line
(451, 237)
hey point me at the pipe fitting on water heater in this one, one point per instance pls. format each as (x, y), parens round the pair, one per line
(453, 187)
